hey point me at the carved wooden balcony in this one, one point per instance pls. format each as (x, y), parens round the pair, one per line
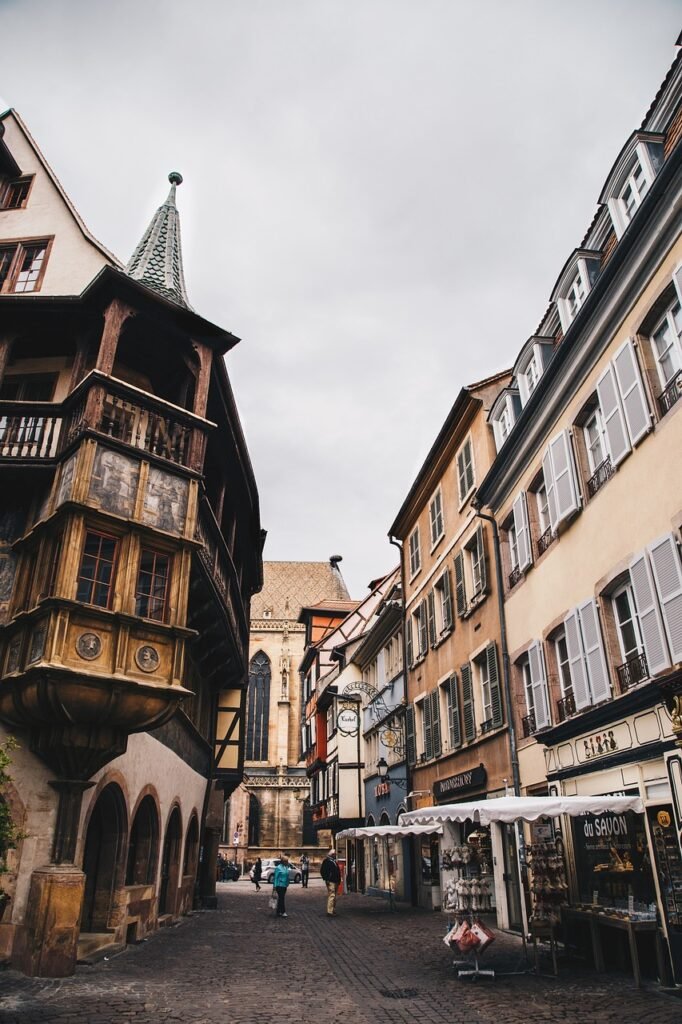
(29, 431)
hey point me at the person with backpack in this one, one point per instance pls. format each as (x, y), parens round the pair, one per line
(331, 874)
(280, 881)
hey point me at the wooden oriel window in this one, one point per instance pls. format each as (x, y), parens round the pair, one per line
(96, 572)
(14, 196)
(22, 265)
(151, 596)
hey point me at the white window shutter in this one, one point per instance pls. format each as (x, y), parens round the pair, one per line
(614, 420)
(548, 475)
(667, 569)
(677, 278)
(598, 673)
(520, 512)
(635, 406)
(653, 635)
(538, 682)
(576, 661)
(566, 491)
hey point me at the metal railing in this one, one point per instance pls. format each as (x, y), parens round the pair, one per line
(545, 539)
(633, 671)
(29, 430)
(602, 473)
(672, 394)
(514, 576)
(486, 726)
(528, 724)
(566, 707)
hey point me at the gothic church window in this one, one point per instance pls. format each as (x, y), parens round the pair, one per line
(258, 708)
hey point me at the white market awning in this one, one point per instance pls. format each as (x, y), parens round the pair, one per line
(529, 808)
(390, 831)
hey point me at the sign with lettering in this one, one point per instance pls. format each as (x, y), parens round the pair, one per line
(382, 789)
(460, 783)
(348, 720)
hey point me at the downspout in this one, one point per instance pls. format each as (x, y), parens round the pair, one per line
(408, 780)
(513, 748)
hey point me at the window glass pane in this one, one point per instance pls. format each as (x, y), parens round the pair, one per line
(29, 267)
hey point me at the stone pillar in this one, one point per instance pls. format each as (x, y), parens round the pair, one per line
(47, 942)
(207, 892)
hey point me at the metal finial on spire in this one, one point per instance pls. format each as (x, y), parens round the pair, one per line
(157, 260)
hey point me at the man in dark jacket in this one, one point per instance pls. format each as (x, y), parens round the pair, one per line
(332, 876)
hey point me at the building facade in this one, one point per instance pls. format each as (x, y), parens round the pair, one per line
(130, 547)
(587, 489)
(271, 811)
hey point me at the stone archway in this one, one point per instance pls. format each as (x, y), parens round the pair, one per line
(191, 857)
(170, 864)
(104, 859)
(143, 846)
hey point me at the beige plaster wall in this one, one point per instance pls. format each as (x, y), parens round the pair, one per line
(74, 260)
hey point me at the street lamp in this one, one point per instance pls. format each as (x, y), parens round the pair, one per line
(382, 768)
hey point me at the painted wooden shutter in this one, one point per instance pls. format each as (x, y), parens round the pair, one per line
(435, 723)
(667, 569)
(453, 711)
(460, 586)
(653, 635)
(448, 616)
(495, 689)
(538, 681)
(483, 556)
(427, 720)
(635, 406)
(614, 421)
(563, 467)
(468, 715)
(598, 673)
(410, 745)
(409, 643)
(576, 661)
(423, 630)
(677, 278)
(520, 512)
(548, 476)
(431, 610)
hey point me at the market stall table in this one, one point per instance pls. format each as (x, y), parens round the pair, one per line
(597, 921)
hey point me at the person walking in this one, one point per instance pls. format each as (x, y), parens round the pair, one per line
(305, 870)
(280, 881)
(257, 873)
(332, 876)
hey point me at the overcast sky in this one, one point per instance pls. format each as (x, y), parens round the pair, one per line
(379, 196)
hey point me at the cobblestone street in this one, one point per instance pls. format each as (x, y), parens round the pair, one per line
(367, 966)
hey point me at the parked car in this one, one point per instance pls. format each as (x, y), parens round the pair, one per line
(231, 871)
(268, 870)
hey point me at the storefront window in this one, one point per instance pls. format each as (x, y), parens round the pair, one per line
(613, 865)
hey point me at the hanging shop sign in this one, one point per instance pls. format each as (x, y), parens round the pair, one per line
(348, 720)
(382, 789)
(460, 783)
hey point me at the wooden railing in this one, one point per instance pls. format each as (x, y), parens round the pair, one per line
(216, 559)
(29, 430)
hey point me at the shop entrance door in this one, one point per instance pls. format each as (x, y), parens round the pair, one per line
(511, 877)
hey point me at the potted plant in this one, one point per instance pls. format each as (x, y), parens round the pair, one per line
(10, 833)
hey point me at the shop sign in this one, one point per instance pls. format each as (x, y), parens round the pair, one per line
(382, 789)
(348, 720)
(460, 783)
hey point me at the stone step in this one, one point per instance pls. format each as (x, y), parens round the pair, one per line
(94, 946)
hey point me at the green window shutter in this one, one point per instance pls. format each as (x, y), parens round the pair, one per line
(453, 713)
(410, 745)
(483, 549)
(495, 690)
(460, 589)
(423, 630)
(431, 609)
(448, 616)
(468, 716)
(428, 731)
(435, 723)
(409, 646)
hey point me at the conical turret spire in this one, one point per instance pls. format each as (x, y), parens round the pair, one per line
(157, 260)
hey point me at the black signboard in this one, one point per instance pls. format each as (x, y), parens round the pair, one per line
(455, 785)
(668, 859)
(612, 859)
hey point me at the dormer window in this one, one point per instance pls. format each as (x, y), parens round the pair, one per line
(503, 415)
(531, 364)
(631, 178)
(575, 283)
(14, 196)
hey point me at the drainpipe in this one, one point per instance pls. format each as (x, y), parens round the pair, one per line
(513, 749)
(408, 781)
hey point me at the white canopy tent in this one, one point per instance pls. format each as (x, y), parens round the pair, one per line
(390, 831)
(508, 809)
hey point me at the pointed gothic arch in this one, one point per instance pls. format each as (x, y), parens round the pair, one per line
(258, 708)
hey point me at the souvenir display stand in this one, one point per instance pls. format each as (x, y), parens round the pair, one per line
(470, 936)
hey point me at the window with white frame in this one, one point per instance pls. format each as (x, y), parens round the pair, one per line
(575, 296)
(636, 187)
(486, 690)
(586, 658)
(560, 479)
(415, 552)
(513, 546)
(474, 551)
(443, 604)
(575, 283)
(623, 403)
(503, 415)
(666, 343)
(420, 631)
(631, 178)
(542, 507)
(436, 517)
(595, 439)
(563, 667)
(504, 422)
(627, 621)
(532, 374)
(465, 470)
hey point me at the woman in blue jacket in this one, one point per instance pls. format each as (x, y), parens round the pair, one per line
(280, 881)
